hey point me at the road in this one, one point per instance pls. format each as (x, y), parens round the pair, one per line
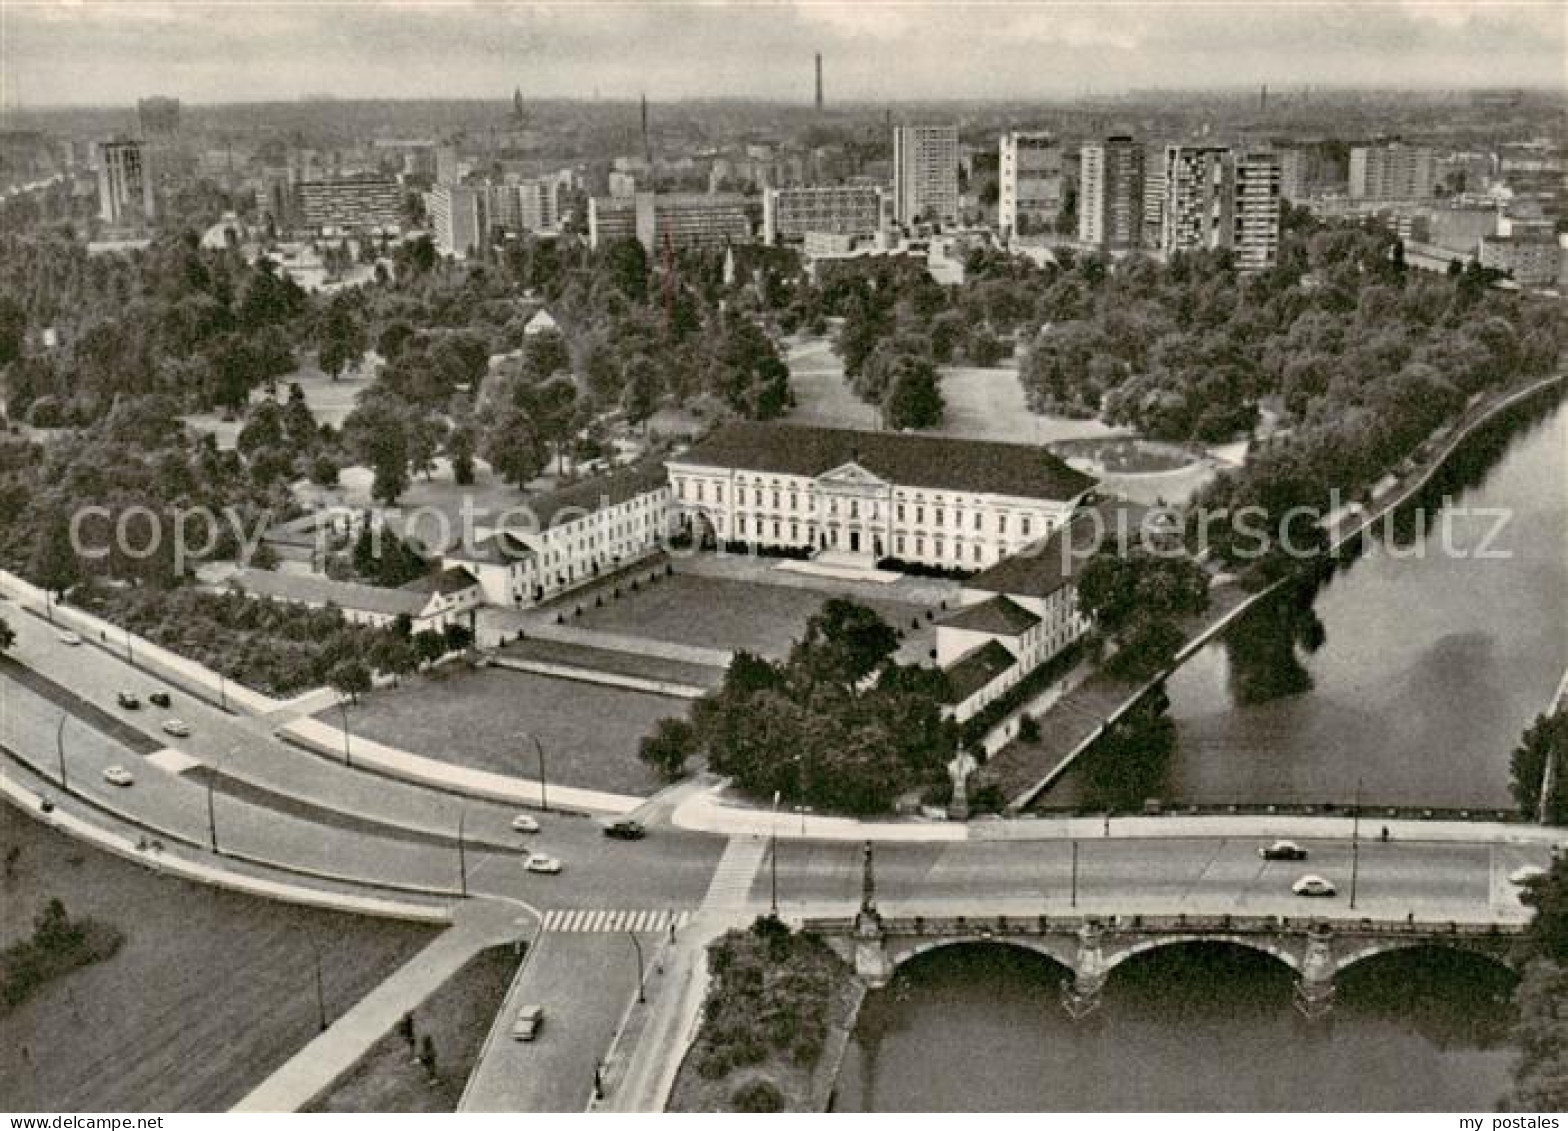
(302, 813)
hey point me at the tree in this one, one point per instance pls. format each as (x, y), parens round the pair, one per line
(340, 337)
(913, 398)
(512, 445)
(350, 679)
(843, 643)
(667, 750)
(1544, 743)
(53, 565)
(7, 636)
(377, 433)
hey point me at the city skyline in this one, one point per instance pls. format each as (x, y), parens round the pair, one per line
(243, 52)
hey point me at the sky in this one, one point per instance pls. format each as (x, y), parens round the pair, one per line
(109, 52)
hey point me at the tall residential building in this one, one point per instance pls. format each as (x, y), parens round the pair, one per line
(925, 173)
(1196, 213)
(844, 210)
(447, 172)
(1153, 196)
(1292, 175)
(351, 203)
(1031, 183)
(1391, 172)
(677, 220)
(125, 184)
(1255, 212)
(1111, 194)
(1216, 198)
(459, 218)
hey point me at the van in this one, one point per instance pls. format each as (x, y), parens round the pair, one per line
(529, 1018)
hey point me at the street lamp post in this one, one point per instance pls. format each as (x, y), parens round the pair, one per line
(544, 794)
(637, 946)
(59, 749)
(1074, 897)
(773, 856)
(1355, 844)
(321, 994)
(462, 856)
(130, 658)
(348, 758)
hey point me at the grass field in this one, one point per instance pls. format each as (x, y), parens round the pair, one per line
(210, 993)
(479, 719)
(742, 615)
(456, 1018)
(982, 404)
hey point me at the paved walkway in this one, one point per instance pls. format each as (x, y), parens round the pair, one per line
(476, 926)
(708, 810)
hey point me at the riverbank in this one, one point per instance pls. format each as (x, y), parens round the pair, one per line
(1082, 716)
(778, 1016)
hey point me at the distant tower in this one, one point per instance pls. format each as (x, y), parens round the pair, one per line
(1263, 97)
(647, 148)
(518, 112)
(819, 82)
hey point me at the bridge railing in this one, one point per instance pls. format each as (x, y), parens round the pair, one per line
(983, 926)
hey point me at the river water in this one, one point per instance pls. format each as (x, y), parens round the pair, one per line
(1408, 670)
(1185, 1028)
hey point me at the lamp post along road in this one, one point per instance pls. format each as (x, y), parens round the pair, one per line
(59, 749)
(544, 795)
(348, 758)
(462, 854)
(773, 857)
(1355, 844)
(642, 998)
(1074, 896)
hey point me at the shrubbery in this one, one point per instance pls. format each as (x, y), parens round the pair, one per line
(59, 944)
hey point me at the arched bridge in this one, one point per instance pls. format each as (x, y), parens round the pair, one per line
(1317, 950)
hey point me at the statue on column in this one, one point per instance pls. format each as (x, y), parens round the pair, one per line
(868, 882)
(1315, 987)
(959, 770)
(871, 958)
(1081, 992)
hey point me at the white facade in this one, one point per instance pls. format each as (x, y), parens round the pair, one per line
(925, 173)
(1031, 183)
(853, 513)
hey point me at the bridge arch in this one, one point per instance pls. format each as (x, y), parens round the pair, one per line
(1497, 953)
(1059, 951)
(1116, 955)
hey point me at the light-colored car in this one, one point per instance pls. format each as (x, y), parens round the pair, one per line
(118, 775)
(529, 1018)
(1313, 886)
(179, 728)
(523, 823)
(69, 638)
(544, 865)
(1525, 875)
(1283, 850)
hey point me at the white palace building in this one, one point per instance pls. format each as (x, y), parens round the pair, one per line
(860, 498)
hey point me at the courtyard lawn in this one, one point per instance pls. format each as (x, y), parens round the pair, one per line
(982, 404)
(210, 993)
(481, 719)
(738, 615)
(329, 401)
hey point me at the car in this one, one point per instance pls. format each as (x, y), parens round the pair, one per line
(179, 728)
(69, 638)
(128, 700)
(625, 829)
(118, 775)
(1283, 850)
(1526, 875)
(542, 864)
(159, 699)
(1314, 886)
(529, 1018)
(523, 823)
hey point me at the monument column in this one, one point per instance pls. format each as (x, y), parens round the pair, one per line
(871, 961)
(1081, 993)
(1314, 997)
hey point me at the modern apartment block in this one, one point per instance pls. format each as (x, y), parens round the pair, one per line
(788, 214)
(1293, 179)
(126, 193)
(464, 217)
(1391, 172)
(677, 220)
(351, 204)
(1217, 198)
(1111, 194)
(1031, 183)
(925, 173)
(1255, 211)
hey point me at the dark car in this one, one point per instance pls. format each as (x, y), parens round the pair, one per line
(625, 830)
(159, 699)
(128, 700)
(1283, 850)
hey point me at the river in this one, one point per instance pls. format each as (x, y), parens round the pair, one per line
(1407, 670)
(1185, 1028)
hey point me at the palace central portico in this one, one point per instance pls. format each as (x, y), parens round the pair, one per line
(858, 498)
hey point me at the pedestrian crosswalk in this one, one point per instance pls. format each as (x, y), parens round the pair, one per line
(592, 920)
(731, 884)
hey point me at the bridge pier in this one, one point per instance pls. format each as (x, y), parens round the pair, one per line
(1081, 993)
(1314, 994)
